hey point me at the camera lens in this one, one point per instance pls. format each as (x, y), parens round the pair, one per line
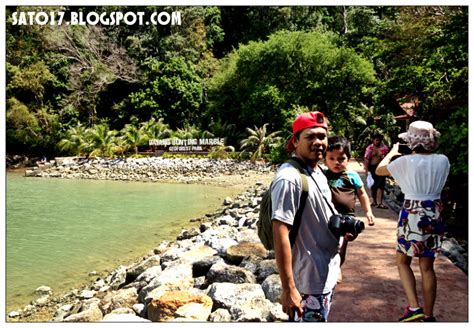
(359, 226)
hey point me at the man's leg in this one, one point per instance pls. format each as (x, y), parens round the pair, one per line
(316, 307)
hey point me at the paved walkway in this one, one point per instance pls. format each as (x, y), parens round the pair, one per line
(371, 290)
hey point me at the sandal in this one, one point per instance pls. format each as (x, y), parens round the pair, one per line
(374, 204)
(382, 206)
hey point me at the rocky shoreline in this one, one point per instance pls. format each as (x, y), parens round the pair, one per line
(218, 272)
(148, 169)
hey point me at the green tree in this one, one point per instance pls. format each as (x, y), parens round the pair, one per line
(134, 137)
(259, 142)
(100, 141)
(172, 91)
(264, 81)
(74, 141)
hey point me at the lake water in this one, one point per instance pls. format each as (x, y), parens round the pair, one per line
(57, 231)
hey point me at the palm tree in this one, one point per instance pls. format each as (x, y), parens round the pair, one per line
(134, 137)
(223, 130)
(75, 140)
(188, 132)
(101, 141)
(258, 142)
(154, 129)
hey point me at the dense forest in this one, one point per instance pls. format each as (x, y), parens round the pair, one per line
(241, 73)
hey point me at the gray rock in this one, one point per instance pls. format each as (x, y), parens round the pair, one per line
(201, 267)
(149, 274)
(13, 314)
(90, 312)
(266, 268)
(87, 294)
(44, 290)
(251, 310)
(225, 295)
(139, 309)
(272, 288)
(220, 315)
(175, 277)
(118, 277)
(123, 298)
(188, 233)
(62, 312)
(222, 272)
(277, 314)
(139, 268)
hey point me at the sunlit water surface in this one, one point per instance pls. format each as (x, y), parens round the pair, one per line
(57, 231)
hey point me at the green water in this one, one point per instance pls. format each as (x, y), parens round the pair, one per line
(57, 231)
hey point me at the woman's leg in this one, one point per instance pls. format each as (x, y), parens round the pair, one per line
(428, 279)
(407, 278)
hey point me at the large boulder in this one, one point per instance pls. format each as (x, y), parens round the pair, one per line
(222, 272)
(251, 310)
(201, 266)
(235, 254)
(265, 269)
(123, 298)
(272, 288)
(149, 274)
(185, 305)
(225, 295)
(197, 253)
(178, 276)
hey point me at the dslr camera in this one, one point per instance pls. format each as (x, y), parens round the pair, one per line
(342, 224)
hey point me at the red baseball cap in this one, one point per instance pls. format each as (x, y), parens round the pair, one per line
(304, 121)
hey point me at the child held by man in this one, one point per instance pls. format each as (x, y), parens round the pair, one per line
(345, 184)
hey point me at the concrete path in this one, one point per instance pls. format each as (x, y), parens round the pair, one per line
(371, 290)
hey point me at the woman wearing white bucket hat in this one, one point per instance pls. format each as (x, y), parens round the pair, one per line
(421, 176)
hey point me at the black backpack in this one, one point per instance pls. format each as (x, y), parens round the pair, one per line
(264, 223)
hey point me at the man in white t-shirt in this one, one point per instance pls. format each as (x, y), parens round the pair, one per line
(308, 270)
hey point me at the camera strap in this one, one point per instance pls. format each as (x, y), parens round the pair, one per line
(304, 166)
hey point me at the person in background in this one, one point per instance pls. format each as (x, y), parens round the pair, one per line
(309, 269)
(421, 176)
(345, 185)
(374, 153)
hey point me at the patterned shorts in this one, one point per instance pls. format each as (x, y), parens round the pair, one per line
(315, 307)
(420, 228)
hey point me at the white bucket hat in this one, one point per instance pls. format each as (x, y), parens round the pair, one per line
(421, 133)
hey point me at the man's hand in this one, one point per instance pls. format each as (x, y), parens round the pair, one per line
(291, 302)
(350, 237)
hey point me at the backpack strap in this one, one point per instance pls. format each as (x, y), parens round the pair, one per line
(304, 195)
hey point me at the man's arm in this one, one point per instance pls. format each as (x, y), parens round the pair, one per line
(290, 298)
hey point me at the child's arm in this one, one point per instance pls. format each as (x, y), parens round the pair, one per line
(365, 202)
